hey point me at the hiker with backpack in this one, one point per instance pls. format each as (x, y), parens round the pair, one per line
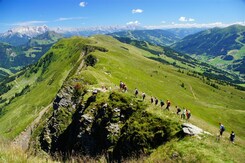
(232, 136)
(136, 92)
(152, 100)
(221, 129)
(178, 110)
(161, 103)
(183, 113)
(143, 96)
(156, 101)
(188, 114)
(168, 104)
(121, 85)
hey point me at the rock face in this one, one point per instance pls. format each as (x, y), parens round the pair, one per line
(192, 130)
(114, 124)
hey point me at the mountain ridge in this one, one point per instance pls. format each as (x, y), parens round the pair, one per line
(222, 47)
(73, 68)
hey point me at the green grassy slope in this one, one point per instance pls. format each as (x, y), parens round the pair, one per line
(164, 81)
(44, 84)
(222, 47)
(126, 63)
(156, 36)
(129, 64)
(214, 42)
(169, 56)
(15, 57)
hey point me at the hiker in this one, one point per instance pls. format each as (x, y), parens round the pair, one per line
(136, 92)
(188, 114)
(121, 85)
(143, 96)
(168, 104)
(221, 129)
(161, 103)
(232, 136)
(178, 110)
(183, 114)
(125, 88)
(95, 91)
(156, 101)
(152, 100)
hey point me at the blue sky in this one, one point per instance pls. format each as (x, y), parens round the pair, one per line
(145, 13)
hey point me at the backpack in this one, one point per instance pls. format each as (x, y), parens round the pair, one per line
(223, 128)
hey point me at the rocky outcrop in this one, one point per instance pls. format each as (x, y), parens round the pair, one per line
(190, 129)
(117, 126)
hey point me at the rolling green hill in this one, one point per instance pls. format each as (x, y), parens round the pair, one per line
(222, 47)
(169, 56)
(16, 57)
(156, 37)
(68, 73)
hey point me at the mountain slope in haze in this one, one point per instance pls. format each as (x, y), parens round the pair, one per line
(15, 39)
(157, 36)
(222, 47)
(214, 42)
(91, 116)
(21, 35)
(183, 32)
(19, 56)
(169, 56)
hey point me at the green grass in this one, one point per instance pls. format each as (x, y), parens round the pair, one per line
(124, 62)
(164, 82)
(6, 70)
(202, 149)
(23, 110)
(10, 153)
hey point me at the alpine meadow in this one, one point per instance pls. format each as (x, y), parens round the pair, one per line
(86, 81)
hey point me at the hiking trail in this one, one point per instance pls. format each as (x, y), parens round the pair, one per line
(192, 92)
(22, 140)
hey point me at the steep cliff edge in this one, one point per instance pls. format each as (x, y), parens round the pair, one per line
(109, 123)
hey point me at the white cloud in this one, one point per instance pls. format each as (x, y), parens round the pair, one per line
(183, 19)
(193, 25)
(191, 20)
(32, 22)
(137, 11)
(163, 22)
(70, 18)
(134, 23)
(82, 4)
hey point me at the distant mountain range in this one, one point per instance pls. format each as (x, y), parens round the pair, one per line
(158, 36)
(222, 47)
(14, 56)
(183, 32)
(20, 35)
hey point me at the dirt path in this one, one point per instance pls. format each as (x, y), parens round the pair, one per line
(192, 92)
(22, 140)
(17, 84)
(238, 39)
(81, 64)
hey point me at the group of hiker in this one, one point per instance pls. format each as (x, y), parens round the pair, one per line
(184, 113)
(123, 86)
(222, 129)
(155, 101)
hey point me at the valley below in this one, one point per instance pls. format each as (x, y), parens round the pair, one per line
(70, 105)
